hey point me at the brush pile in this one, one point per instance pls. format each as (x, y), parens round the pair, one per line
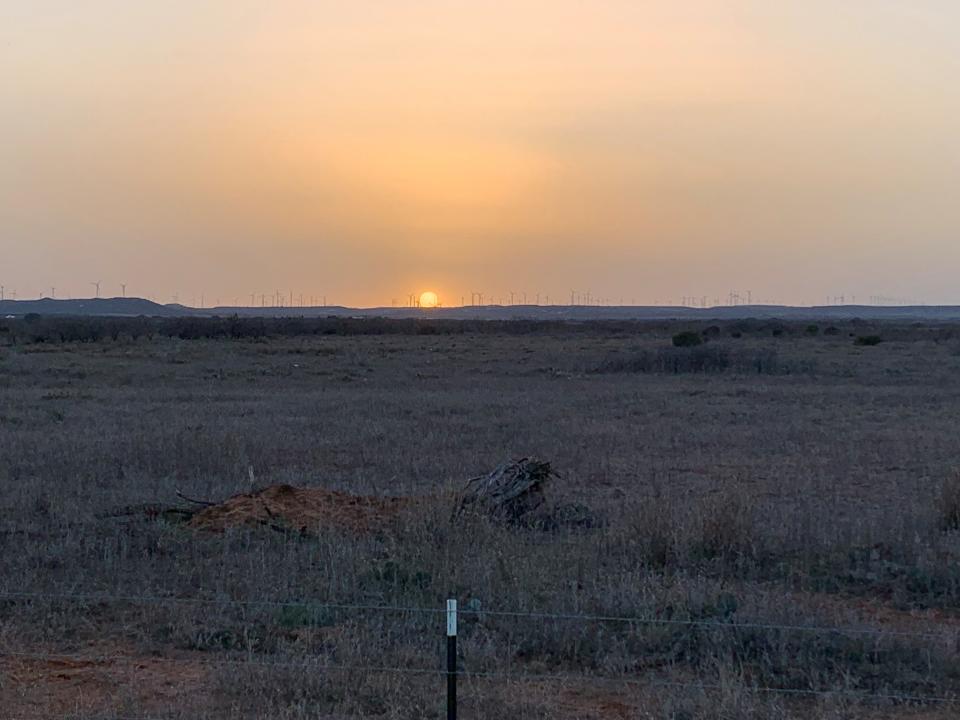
(514, 493)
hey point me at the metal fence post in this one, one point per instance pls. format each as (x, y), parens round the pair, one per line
(451, 659)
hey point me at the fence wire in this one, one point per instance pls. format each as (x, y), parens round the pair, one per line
(479, 613)
(314, 663)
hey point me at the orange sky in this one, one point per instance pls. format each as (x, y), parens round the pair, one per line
(368, 150)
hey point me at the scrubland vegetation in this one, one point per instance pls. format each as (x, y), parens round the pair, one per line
(778, 505)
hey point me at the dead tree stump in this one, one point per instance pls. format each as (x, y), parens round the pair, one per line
(512, 492)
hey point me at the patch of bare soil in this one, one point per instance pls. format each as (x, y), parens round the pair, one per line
(588, 701)
(289, 508)
(100, 684)
(592, 702)
(883, 615)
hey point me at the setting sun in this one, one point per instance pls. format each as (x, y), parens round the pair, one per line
(429, 299)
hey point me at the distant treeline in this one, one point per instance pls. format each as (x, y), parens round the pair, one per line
(32, 329)
(57, 329)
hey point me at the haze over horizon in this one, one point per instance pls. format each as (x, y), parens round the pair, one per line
(364, 151)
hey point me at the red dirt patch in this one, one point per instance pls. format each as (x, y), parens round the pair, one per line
(883, 615)
(594, 703)
(95, 685)
(285, 507)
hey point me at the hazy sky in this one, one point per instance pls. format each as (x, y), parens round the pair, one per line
(366, 149)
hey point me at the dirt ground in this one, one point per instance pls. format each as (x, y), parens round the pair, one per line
(100, 681)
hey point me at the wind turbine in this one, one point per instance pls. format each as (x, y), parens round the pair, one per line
(97, 286)
(123, 289)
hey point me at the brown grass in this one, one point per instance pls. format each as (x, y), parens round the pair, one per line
(825, 496)
(950, 503)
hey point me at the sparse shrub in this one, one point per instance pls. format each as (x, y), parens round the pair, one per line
(695, 360)
(949, 504)
(868, 340)
(296, 616)
(812, 330)
(709, 359)
(686, 339)
(832, 331)
(724, 528)
(763, 362)
(673, 361)
(721, 528)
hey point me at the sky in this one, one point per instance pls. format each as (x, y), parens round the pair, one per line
(643, 151)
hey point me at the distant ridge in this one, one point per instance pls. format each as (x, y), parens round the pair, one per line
(109, 307)
(132, 307)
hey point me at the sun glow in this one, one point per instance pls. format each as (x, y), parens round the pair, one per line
(429, 299)
(360, 149)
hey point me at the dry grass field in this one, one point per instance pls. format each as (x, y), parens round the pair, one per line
(778, 508)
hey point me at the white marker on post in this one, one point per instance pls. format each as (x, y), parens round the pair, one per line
(451, 618)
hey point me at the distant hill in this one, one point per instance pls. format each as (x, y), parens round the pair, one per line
(114, 307)
(127, 307)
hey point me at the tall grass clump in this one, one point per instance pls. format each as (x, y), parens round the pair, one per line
(948, 506)
(705, 359)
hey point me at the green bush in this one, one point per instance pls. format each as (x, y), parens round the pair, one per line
(687, 338)
(868, 340)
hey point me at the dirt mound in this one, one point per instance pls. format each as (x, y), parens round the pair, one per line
(299, 509)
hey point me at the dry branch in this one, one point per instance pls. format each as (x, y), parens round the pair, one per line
(512, 492)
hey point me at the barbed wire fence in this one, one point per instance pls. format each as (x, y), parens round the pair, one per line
(457, 664)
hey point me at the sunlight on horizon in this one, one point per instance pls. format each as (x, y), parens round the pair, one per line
(640, 150)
